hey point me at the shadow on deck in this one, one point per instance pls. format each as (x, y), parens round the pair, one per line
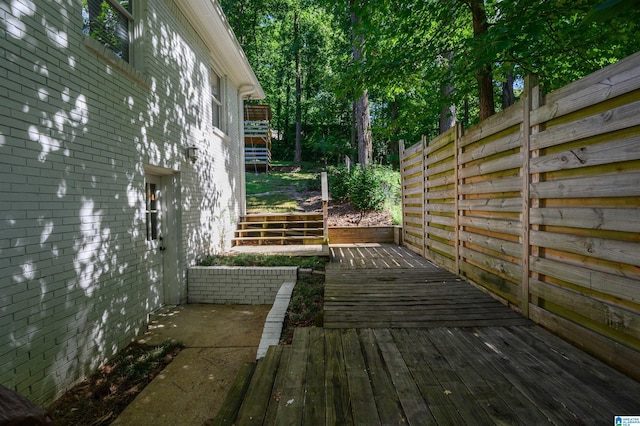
(468, 362)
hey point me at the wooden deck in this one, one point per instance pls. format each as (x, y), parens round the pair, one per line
(385, 285)
(479, 374)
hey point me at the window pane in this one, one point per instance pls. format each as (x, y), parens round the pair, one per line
(107, 24)
(151, 214)
(215, 99)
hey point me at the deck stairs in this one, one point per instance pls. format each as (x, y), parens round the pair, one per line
(280, 229)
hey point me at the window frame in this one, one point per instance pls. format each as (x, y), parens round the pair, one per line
(217, 100)
(134, 63)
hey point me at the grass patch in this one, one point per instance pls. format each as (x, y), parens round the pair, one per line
(306, 305)
(99, 399)
(273, 203)
(274, 182)
(250, 259)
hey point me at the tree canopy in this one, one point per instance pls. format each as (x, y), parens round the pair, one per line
(420, 63)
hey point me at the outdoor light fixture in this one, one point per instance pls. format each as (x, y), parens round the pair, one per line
(192, 153)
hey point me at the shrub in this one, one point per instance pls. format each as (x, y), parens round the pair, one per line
(367, 191)
(339, 180)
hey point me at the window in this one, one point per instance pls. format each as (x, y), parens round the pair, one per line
(111, 23)
(216, 100)
(151, 216)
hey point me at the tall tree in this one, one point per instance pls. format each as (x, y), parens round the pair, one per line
(362, 113)
(483, 72)
(296, 48)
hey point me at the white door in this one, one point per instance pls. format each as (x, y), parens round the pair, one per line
(154, 221)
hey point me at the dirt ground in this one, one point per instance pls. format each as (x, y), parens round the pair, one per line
(342, 214)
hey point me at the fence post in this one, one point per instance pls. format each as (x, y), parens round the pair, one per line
(325, 207)
(401, 155)
(456, 153)
(424, 143)
(530, 82)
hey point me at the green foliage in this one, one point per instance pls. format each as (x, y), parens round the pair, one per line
(367, 191)
(271, 203)
(413, 50)
(339, 181)
(305, 307)
(372, 188)
(249, 259)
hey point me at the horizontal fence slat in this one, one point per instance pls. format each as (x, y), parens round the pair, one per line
(605, 153)
(495, 244)
(441, 247)
(439, 195)
(508, 184)
(610, 121)
(505, 143)
(626, 288)
(441, 141)
(509, 227)
(441, 233)
(623, 220)
(610, 185)
(600, 248)
(441, 181)
(513, 161)
(603, 313)
(441, 220)
(443, 155)
(495, 264)
(615, 80)
(496, 123)
(440, 168)
(491, 204)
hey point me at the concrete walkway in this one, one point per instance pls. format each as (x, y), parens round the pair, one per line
(218, 340)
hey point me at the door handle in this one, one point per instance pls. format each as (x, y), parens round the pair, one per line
(162, 247)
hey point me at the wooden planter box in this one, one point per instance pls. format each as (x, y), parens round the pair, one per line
(365, 234)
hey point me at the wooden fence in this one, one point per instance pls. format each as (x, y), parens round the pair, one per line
(540, 205)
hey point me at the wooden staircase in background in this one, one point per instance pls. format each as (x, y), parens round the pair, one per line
(280, 229)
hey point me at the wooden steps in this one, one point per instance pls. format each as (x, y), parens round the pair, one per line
(280, 229)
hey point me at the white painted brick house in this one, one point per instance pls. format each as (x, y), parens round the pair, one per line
(101, 210)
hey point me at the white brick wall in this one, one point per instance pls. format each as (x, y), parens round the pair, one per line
(77, 128)
(238, 285)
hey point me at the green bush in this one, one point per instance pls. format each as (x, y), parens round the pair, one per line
(367, 191)
(339, 180)
(373, 188)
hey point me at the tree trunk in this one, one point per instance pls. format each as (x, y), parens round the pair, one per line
(483, 73)
(363, 118)
(508, 97)
(296, 30)
(365, 142)
(447, 109)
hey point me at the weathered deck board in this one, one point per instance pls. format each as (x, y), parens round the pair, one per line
(485, 376)
(389, 286)
(433, 351)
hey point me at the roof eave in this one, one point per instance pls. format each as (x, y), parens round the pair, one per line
(210, 22)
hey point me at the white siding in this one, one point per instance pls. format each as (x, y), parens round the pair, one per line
(76, 131)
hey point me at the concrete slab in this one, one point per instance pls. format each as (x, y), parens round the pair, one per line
(219, 339)
(208, 326)
(286, 250)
